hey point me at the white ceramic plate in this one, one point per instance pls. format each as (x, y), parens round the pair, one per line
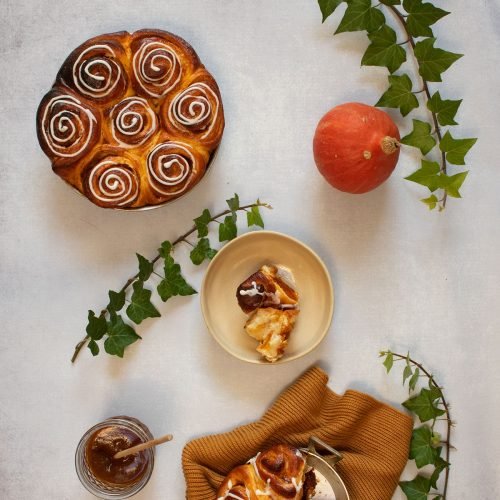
(240, 258)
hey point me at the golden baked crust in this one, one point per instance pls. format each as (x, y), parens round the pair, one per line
(277, 474)
(132, 119)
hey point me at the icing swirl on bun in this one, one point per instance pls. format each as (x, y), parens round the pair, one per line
(66, 126)
(112, 182)
(98, 73)
(133, 122)
(171, 168)
(157, 68)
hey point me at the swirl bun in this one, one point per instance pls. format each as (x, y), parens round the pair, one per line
(103, 127)
(67, 127)
(112, 181)
(277, 473)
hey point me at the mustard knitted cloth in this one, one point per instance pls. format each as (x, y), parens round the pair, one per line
(373, 437)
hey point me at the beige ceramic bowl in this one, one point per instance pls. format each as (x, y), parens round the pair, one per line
(239, 259)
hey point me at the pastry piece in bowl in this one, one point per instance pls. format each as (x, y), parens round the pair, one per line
(270, 298)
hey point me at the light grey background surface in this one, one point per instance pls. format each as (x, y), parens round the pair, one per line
(405, 278)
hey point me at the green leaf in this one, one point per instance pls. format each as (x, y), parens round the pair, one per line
(414, 379)
(391, 2)
(141, 306)
(254, 218)
(407, 373)
(145, 267)
(165, 249)
(431, 202)
(421, 449)
(96, 327)
(420, 137)
(416, 489)
(440, 464)
(234, 203)
(116, 301)
(455, 149)
(432, 61)
(202, 222)
(421, 16)
(423, 405)
(359, 16)
(444, 109)
(427, 175)
(174, 283)
(328, 7)
(94, 348)
(383, 50)
(389, 361)
(399, 94)
(228, 229)
(452, 183)
(120, 335)
(202, 251)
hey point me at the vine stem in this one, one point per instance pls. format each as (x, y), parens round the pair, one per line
(401, 18)
(183, 237)
(446, 408)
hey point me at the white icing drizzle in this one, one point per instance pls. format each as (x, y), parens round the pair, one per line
(252, 292)
(135, 118)
(110, 83)
(198, 110)
(164, 81)
(113, 188)
(61, 123)
(165, 162)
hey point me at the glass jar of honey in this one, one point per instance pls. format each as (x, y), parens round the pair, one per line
(102, 474)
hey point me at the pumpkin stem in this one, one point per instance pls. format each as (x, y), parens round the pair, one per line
(389, 145)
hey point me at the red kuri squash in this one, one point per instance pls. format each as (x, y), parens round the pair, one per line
(356, 147)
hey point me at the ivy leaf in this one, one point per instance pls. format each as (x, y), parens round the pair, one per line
(234, 203)
(420, 137)
(174, 283)
(145, 267)
(165, 249)
(96, 327)
(254, 218)
(427, 175)
(455, 149)
(120, 335)
(423, 405)
(421, 449)
(433, 61)
(383, 50)
(94, 348)
(359, 16)
(444, 109)
(202, 251)
(389, 361)
(391, 2)
(328, 7)
(452, 183)
(421, 16)
(141, 306)
(440, 464)
(228, 229)
(416, 489)
(431, 202)
(202, 222)
(407, 372)
(414, 379)
(399, 94)
(116, 301)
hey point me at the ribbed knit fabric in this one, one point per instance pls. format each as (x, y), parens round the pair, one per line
(373, 437)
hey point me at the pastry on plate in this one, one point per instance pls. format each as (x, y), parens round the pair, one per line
(279, 473)
(132, 119)
(270, 298)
